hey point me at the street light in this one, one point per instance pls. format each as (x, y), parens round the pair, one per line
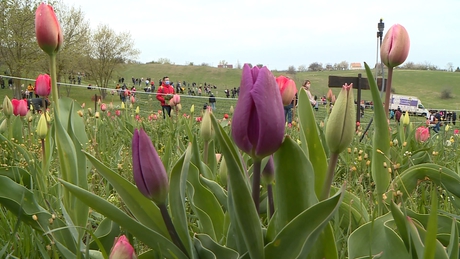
(380, 26)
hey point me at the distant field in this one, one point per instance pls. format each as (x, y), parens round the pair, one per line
(427, 85)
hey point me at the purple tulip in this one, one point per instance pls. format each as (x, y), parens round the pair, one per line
(149, 172)
(258, 121)
(395, 46)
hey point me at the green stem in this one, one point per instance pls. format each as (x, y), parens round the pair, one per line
(256, 183)
(388, 91)
(330, 175)
(54, 88)
(171, 230)
(271, 205)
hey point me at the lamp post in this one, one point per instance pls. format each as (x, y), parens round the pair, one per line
(380, 26)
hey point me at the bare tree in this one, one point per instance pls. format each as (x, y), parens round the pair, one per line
(291, 70)
(315, 66)
(343, 65)
(107, 51)
(302, 68)
(450, 67)
(18, 47)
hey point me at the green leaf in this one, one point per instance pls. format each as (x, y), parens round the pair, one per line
(220, 251)
(142, 208)
(18, 175)
(430, 238)
(381, 142)
(105, 233)
(204, 200)
(302, 232)
(248, 221)
(294, 190)
(149, 237)
(178, 182)
(217, 190)
(22, 203)
(376, 238)
(452, 249)
(203, 252)
(352, 212)
(311, 135)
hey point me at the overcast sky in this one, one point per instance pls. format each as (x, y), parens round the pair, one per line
(279, 33)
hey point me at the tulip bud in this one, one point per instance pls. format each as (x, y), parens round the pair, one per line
(206, 129)
(340, 126)
(287, 88)
(223, 170)
(43, 85)
(90, 112)
(122, 249)
(258, 122)
(192, 109)
(80, 113)
(47, 29)
(47, 115)
(149, 172)
(422, 134)
(137, 110)
(3, 126)
(268, 174)
(133, 100)
(406, 119)
(103, 107)
(329, 95)
(232, 110)
(395, 46)
(179, 106)
(96, 115)
(447, 127)
(42, 127)
(7, 107)
(110, 105)
(122, 105)
(118, 113)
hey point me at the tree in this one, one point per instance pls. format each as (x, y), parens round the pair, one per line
(107, 50)
(343, 65)
(18, 48)
(302, 68)
(315, 66)
(291, 70)
(450, 67)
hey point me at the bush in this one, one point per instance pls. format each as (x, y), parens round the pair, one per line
(446, 94)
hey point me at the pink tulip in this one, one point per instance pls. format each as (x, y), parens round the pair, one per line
(108, 114)
(43, 85)
(47, 29)
(138, 117)
(118, 113)
(395, 46)
(83, 105)
(19, 107)
(155, 117)
(288, 89)
(103, 107)
(329, 95)
(422, 134)
(133, 100)
(175, 100)
(456, 131)
(122, 249)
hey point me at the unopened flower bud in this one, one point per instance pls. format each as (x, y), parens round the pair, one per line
(42, 127)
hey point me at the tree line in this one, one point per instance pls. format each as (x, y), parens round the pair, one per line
(95, 53)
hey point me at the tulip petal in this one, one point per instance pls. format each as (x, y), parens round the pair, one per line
(138, 179)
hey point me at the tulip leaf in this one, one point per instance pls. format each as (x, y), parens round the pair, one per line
(381, 142)
(247, 218)
(105, 233)
(142, 208)
(196, 159)
(178, 183)
(452, 249)
(220, 251)
(376, 238)
(205, 201)
(21, 202)
(217, 190)
(294, 190)
(300, 234)
(408, 181)
(432, 228)
(149, 237)
(18, 175)
(352, 212)
(311, 142)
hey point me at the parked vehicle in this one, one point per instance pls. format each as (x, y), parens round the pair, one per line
(410, 104)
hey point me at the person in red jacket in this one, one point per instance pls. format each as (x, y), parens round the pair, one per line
(164, 94)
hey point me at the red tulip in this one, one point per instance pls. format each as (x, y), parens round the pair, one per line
(43, 85)
(288, 89)
(225, 116)
(47, 29)
(103, 107)
(122, 249)
(133, 100)
(118, 113)
(395, 46)
(19, 107)
(422, 134)
(456, 131)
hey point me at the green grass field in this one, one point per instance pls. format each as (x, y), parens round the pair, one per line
(426, 85)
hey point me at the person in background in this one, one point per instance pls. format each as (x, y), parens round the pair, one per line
(306, 85)
(164, 94)
(212, 101)
(31, 90)
(398, 114)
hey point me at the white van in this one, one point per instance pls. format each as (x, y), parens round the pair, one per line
(407, 103)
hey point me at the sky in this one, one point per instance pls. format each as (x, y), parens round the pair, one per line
(278, 34)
